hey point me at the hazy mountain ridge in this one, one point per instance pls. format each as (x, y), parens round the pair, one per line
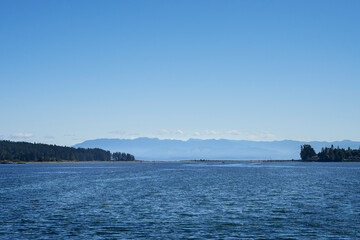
(222, 149)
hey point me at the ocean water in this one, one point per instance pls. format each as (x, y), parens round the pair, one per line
(180, 201)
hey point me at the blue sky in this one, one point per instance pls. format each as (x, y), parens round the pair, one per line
(258, 70)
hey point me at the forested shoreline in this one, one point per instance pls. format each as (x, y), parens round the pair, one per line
(38, 152)
(330, 154)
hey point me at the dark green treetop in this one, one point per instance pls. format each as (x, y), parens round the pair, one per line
(307, 153)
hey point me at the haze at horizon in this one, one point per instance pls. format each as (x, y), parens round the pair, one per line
(77, 70)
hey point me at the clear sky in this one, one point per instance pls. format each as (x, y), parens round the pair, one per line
(259, 70)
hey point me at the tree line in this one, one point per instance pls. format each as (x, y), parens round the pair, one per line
(38, 152)
(331, 154)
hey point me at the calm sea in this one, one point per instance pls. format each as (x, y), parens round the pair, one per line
(180, 201)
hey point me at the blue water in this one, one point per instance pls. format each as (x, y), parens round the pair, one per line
(180, 201)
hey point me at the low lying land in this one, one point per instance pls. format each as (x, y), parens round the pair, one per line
(23, 152)
(221, 161)
(172, 161)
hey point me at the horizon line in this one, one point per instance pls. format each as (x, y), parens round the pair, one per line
(217, 139)
(182, 140)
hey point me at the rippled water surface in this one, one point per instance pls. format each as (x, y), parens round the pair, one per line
(180, 201)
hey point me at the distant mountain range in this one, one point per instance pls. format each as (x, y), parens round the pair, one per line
(210, 149)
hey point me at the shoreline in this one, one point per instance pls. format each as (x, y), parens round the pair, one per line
(165, 161)
(150, 161)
